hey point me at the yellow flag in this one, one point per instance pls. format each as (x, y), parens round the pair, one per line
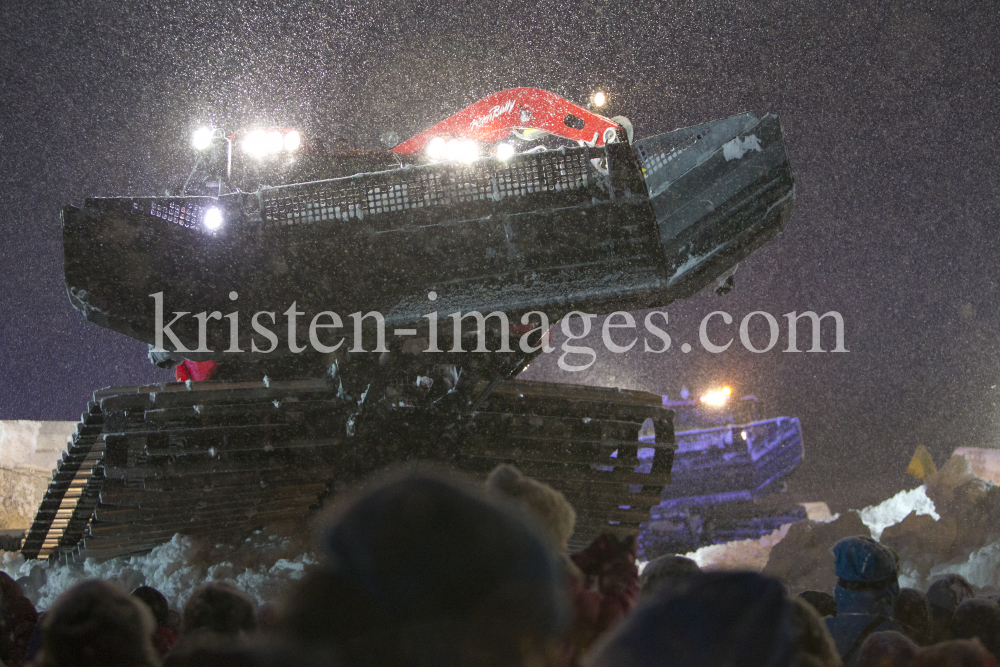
(921, 465)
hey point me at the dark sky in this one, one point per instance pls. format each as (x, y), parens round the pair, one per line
(889, 110)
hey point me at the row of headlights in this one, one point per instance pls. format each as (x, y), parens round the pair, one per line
(462, 150)
(259, 143)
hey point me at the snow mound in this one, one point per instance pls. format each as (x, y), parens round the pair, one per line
(739, 555)
(263, 566)
(892, 511)
(979, 568)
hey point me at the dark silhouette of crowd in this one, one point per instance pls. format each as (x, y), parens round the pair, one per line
(425, 569)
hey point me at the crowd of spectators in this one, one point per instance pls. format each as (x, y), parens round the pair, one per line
(425, 569)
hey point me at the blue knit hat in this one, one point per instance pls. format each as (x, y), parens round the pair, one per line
(862, 560)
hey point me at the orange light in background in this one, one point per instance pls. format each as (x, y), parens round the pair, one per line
(716, 397)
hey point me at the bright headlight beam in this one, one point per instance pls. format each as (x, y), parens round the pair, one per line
(600, 98)
(213, 219)
(505, 151)
(202, 138)
(292, 140)
(462, 150)
(256, 143)
(274, 141)
(436, 148)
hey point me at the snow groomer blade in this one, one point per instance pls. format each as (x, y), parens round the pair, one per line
(719, 191)
(616, 227)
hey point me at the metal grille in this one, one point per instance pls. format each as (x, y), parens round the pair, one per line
(653, 161)
(185, 215)
(423, 187)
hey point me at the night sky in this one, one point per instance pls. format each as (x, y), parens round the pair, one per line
(890, 112)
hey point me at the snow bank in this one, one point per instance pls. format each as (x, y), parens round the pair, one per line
(740, 555)
(892, 511)
(263, 566)
(33, 445)
(980, 568)
(985, 463)
(28, 452)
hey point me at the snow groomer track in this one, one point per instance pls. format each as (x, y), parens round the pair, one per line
(222, 459)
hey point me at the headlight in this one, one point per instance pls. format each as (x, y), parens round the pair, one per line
(292, 140)
(213, 219)
(600, 98)
(202, 138)
(462, 150)
(505, 151)
(274, 141)
(716, 397)
(256, 143)
(454, 150)
(261, 143)
(436, 148)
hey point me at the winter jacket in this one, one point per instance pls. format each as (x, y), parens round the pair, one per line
(861, 613)
(603, 588)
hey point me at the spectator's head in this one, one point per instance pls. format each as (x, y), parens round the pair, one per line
(206, 649)
(978, 618)
(97, 624)
(666, 571)
(949, 590)
(6, 638)
(716, 618)
(913, 612)
(867, 576)
(886, 649)
(814, 647)
(944, 595)
(954, 653)
(428, 570)
(156, 602)
(541, 501)
(221, 608)
(9, 588)
(821, 601)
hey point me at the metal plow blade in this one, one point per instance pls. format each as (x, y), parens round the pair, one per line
(719, 191)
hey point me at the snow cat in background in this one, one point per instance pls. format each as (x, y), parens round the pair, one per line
(730, 472)
(523, 206)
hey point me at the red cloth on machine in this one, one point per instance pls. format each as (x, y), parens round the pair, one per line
(198, 371)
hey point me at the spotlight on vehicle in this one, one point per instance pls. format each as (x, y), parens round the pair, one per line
(274, 141)
(256, 143)
(292, 140)
(599, 98)
(202, 138)
(716, 397)
(505, 151)
(436, 148)
(213, 219)
(743, 434)
(462, 150)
